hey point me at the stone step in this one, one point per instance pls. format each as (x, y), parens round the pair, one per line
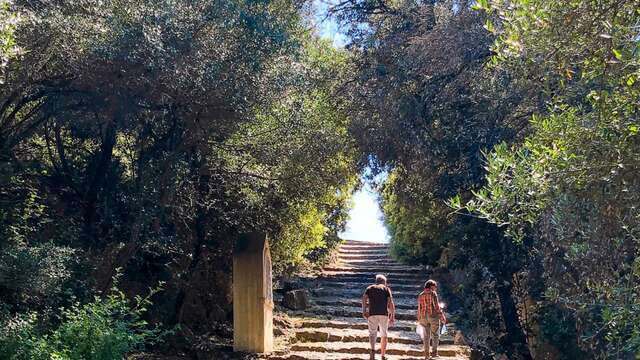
(364, 243)
(357, 324)
(363, 285)
(371, 257)
(351, 317)
(370, 277)
(362, 335)
(349, 323)
(384, 249)
(356, 294)
(364, 281)
(334, 301)
(364, 247)
(363, 348)
(360, 256)
(309, 355)
(355, 312)
(366, 252)
(367, 262)
(375, 269)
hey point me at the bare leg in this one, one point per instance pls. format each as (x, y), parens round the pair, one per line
(373, 334)
(383, 345)
(372, 341)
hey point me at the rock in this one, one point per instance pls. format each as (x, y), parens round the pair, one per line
(288, 285)
(296, 299)
(283, 285)
(477, 354)
(458, 338)
(312, 336)
(282, 320)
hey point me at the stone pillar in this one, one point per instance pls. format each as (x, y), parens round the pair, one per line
(252, 295)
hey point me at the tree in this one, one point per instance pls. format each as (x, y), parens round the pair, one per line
(8, 47)
(146, 136)
(571, 185)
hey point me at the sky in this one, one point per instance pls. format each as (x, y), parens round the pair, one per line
(327, 27)
(365, 218)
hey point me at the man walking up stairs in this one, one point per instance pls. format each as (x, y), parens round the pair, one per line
(379, 310)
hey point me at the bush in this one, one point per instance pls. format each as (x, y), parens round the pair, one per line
(104, 329)
(558, 327)
(32, 276)
(19, 339)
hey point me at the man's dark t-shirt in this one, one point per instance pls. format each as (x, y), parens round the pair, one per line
(378, 297)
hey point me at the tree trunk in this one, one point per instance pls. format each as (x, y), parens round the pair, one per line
(99, 173)
(515, 340)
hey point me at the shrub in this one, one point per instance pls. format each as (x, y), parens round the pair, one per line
(19, 339)
(104, 329)
(30, 275)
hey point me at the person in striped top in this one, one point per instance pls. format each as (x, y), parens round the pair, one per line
(430, 315)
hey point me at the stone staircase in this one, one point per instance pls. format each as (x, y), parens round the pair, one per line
(333, 327)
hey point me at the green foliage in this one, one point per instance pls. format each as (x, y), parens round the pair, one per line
(19, 339)
(25, 214)
(571, 186)
(105, 329)
(579, 47)
(559, 328)
(34, 275)
(8, 23)
(300, 148)
(299, 238)
(416, 228)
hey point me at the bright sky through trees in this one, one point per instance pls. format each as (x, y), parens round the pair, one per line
(327, 27)
(365, 218)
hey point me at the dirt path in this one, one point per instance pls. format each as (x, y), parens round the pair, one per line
(333, 327)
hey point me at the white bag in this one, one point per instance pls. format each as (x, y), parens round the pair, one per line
(420, 331)
(443, 329)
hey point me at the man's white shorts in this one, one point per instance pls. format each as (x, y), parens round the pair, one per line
(378, 321)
